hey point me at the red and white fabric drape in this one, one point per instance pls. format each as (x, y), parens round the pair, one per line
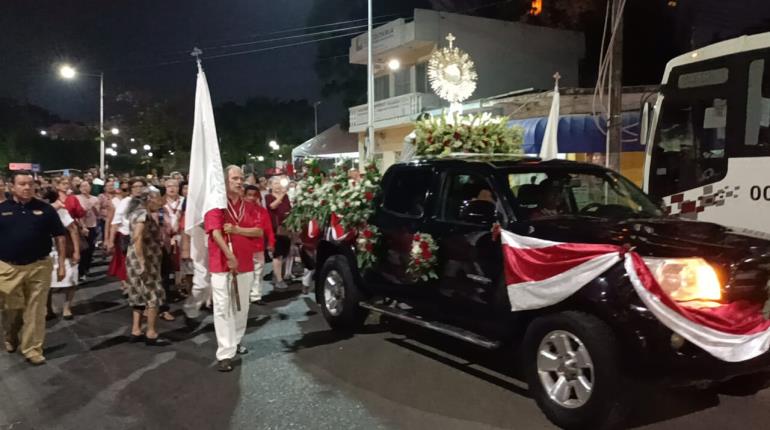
(541, 273)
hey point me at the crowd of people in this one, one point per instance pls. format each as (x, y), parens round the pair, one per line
(52, 228)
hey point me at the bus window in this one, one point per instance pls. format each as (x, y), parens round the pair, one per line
(757, 138)
(690, 144)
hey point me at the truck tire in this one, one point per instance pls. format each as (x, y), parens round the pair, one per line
(339, 295)
(573, 370)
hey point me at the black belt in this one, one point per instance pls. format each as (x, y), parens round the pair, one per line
(23, 263)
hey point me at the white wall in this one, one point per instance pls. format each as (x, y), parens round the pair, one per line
(508, 55)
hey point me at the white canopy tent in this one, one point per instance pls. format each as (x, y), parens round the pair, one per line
(332, 143)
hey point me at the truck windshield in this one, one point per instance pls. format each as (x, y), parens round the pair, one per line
(561, 193)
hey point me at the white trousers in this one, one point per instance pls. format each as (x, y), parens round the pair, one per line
(230, 323)
(256, 285)
(201, 289)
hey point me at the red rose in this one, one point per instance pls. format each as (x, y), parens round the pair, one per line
(369, 247)
(417, 261)
(416, 237)
(424, 245)
(426, 254)
(368, 195)
(457, 135)
(368, 234)
(316, 171)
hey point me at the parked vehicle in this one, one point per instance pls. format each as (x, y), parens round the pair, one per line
(709, 143)
(604, 328)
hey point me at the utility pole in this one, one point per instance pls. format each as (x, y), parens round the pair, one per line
(315, 114)
(615, 126)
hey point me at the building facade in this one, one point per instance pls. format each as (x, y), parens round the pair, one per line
(507, 55)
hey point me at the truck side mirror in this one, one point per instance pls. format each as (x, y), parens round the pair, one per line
(644, 124)
(479, 212)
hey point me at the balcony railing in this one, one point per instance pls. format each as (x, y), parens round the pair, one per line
(393, 111)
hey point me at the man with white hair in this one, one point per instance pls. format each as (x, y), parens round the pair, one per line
(233, 235)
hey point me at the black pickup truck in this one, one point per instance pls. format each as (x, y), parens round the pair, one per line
(603, 336)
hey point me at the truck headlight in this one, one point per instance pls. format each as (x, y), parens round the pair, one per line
(686, 279)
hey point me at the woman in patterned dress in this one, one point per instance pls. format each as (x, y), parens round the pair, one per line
(143, 261)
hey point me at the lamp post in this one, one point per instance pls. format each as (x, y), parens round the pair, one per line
(370, 88)
(68, 72)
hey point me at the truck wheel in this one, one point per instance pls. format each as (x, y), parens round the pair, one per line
(573, 371)
(339, 295)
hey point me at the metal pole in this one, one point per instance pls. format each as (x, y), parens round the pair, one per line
(315, 112)
(101, 126)
(614, 135)
(370, 90)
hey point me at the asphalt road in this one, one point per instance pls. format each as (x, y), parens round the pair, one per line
(298, 375)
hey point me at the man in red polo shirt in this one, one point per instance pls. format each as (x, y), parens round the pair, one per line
(234, 236)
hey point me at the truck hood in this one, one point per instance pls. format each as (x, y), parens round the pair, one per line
(659, 237)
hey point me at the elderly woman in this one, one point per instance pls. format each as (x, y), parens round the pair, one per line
(279, 207)
(143, 261)
(72, 257)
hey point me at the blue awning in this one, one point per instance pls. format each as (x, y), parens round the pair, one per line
(578, 133)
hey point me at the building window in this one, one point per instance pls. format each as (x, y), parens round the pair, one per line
(381, 87)
(402, 82)
(421, 78)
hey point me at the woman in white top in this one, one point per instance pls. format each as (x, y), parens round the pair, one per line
(90, 231)
(72, 257)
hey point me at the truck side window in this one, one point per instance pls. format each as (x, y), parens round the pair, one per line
(406, 192)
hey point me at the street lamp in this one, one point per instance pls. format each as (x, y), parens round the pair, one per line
(68, 72)
(149, 154)
(260, 158)
(274, 145)
(114, 145)
(115, 131)
(146, 147)
(133, 140)
(394, 64)
(133, 151)
(43, 133)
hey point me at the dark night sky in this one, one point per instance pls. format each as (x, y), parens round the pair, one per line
(129, 38)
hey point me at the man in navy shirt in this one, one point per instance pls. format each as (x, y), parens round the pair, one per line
(27, 226)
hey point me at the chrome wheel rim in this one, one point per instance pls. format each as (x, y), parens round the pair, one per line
(334, 293)
(565, 369)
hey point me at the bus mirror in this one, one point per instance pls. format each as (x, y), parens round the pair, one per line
(644, 125)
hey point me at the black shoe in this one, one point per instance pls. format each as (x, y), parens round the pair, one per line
(268, 277)
(259, 302)
(50, 316)
(158, 341)
(225, 365)
(69, 317)
(136, 339)
(242, 350)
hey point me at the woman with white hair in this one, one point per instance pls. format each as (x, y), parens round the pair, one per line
(279, 207)
(143, 264)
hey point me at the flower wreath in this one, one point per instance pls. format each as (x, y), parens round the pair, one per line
(423, 261)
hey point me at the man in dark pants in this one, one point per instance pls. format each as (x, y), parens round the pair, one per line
(27, 226)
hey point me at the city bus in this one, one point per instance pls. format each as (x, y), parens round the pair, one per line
(708, 135)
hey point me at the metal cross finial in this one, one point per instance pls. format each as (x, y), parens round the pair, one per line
(450, 38)
(557, 76)
(196, 52)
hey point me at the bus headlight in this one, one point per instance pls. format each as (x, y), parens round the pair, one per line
(686, 279)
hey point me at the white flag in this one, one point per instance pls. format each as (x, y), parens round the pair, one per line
(549, 149)
(207, 180)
